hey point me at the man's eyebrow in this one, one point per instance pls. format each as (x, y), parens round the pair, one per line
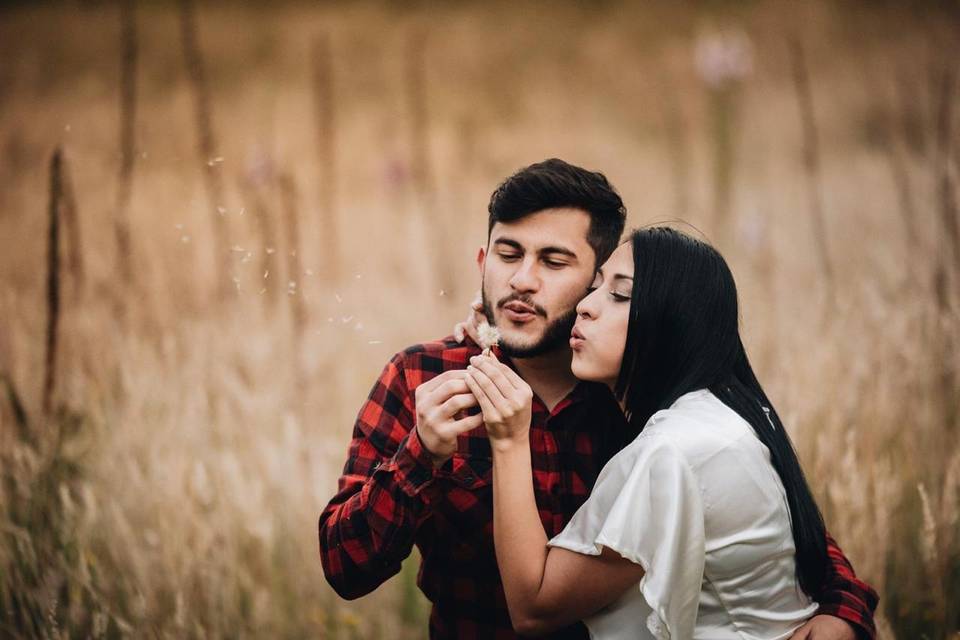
(561, 250)
(513, 244)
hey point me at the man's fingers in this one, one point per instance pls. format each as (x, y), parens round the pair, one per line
(458, 331)
(458, 402)
(447, 390)
(430, 385)
(803, 633)
(466, 424)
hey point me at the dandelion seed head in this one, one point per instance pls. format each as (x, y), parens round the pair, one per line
(489, 335)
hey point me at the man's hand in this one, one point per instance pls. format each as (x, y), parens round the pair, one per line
(825, 628)
(505, 400)
(475, 318)
(438, 402)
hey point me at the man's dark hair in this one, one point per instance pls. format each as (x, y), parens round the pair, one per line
(553, 184)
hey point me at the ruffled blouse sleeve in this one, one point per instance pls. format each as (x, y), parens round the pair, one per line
(647, 506)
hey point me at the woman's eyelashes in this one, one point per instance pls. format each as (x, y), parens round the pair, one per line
(616, 295)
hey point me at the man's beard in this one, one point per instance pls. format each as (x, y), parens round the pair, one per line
(556, 334)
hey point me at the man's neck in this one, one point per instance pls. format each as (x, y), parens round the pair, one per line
(548, 375)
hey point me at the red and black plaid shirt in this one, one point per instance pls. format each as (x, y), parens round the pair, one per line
(390, 498)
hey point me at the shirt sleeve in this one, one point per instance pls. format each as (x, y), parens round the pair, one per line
(847, 597)
(384, 493)
(647, 506)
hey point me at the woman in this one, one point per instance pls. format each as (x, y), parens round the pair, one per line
(697, 510)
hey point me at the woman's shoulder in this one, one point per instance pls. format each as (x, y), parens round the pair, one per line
(697, 426)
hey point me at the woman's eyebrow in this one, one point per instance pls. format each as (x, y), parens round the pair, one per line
(622, 276)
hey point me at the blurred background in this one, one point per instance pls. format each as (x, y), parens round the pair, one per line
(219, 220)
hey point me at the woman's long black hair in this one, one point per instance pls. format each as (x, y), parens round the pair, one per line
(683, 336)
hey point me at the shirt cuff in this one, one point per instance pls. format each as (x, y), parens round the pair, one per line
(863, 629)
(413, 465)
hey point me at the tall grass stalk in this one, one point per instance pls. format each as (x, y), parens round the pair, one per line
(55, 203)
(128, 118)
(811, 161)
(211, 162)
(325, 108)
(415, 87)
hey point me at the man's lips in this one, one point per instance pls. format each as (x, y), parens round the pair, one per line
(519, 312)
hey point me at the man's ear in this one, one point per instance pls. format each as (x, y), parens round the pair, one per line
(481, 258)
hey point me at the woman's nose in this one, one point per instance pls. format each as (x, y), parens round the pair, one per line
(587, 307)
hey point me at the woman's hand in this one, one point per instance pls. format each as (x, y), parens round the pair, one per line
(471, 326)
(505, 400)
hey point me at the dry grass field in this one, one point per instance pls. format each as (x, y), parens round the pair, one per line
(253, 207)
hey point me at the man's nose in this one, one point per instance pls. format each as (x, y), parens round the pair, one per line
(526, 278)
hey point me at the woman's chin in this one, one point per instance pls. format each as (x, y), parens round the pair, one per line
(582, 368)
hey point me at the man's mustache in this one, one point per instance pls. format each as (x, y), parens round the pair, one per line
(540, 311)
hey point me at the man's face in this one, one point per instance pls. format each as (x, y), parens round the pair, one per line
(535, 271)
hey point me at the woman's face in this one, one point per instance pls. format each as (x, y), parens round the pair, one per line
(600, 333)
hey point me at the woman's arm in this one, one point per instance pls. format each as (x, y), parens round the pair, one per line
(546, 588)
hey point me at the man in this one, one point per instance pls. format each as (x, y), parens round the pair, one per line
(419, 465)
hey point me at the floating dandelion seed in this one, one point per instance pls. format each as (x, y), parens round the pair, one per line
(247, 257)
(266, 273)
(358, 276)
(330, 319)
(337, 296)
(237, 248)
(262, 291)
(270, 251)
(66, 127)
(489, 337)
(308, 272)
(178, 227)
(243, 210)
(358, 326)
(214, 161)
(442, 292)
(144, 155)
(346, 319)
(184, 239)
(373, 341)
(222, 210)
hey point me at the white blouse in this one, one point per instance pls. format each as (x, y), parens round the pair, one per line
(695, 500)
